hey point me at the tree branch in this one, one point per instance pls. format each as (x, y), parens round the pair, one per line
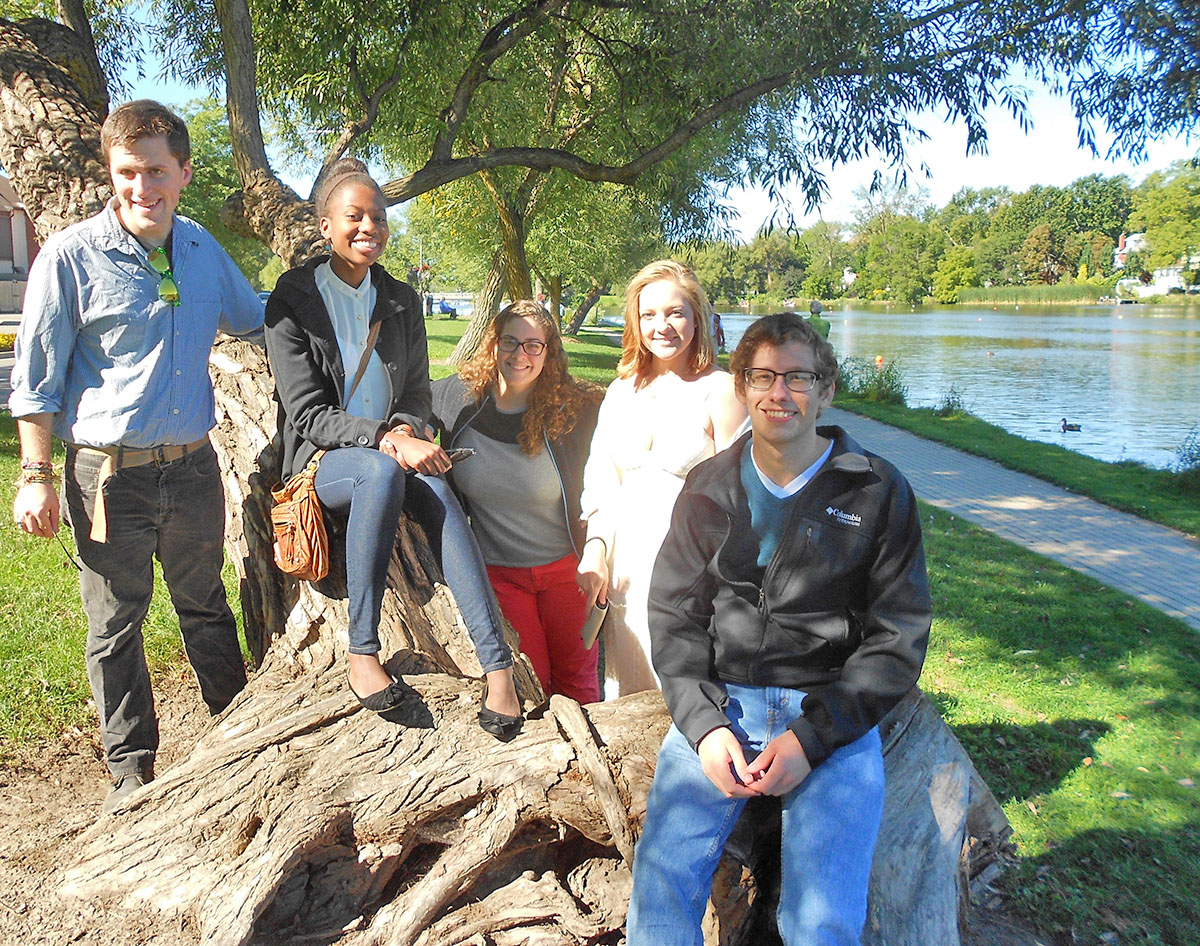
(496, 42)
(438, 172)
(72, 13)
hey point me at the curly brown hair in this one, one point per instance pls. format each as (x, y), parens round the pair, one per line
(556, 398)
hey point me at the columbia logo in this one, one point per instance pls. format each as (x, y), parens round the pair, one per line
(846, 518)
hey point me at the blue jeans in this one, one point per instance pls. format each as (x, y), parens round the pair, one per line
(830, 823)
(175, 511)
(373, 490)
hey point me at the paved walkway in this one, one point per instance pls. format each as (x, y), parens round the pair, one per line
(1151, 562)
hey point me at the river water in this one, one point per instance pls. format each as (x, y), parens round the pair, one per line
(1129, 374)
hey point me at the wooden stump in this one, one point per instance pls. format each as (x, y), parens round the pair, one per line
(301, 817)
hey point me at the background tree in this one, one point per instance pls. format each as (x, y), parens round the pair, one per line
(1166, 207)
(1042, 255)
(214, 180)
(955, 271)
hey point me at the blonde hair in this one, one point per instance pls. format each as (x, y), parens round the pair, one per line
(636, 359)
(555, 399)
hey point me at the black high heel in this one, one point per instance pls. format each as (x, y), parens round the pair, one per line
(500, 725)
(388, 702)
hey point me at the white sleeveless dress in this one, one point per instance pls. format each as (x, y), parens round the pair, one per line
(645, 443)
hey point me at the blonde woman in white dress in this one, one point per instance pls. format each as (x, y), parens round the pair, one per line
(670, 407)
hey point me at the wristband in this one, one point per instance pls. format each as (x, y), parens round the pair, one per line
(32, 476)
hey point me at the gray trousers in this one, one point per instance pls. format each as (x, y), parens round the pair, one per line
(175, 512)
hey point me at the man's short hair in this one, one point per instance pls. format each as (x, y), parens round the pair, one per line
(778, 330)
(145, 118)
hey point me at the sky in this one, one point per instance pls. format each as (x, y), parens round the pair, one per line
(1049, 154)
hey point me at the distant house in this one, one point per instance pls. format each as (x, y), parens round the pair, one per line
(1163, 281)
(1131, 243)
(18, 247)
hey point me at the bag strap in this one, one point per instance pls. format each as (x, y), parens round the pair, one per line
(366, 357)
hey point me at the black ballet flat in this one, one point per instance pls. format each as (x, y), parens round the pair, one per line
(500, 725)
(387, 702)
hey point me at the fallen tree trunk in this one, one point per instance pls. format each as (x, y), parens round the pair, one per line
(300, 817)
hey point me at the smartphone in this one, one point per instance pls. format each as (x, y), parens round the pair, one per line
(460, 453)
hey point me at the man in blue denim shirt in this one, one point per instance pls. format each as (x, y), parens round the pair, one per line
(112, 358)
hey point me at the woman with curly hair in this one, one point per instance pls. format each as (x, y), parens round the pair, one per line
(670, 407)
(529, 422)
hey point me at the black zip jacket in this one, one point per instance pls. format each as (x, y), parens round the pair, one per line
(841, 611)
(310, 377)
(453, 410)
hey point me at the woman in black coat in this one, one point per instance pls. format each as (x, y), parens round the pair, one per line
(377, 462)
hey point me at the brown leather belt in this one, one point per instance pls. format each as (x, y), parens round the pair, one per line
(117, 458)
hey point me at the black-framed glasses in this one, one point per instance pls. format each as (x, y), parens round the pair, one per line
(168, 289)
(763, 379)
(533, 346)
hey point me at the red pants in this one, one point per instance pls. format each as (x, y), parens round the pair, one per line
(545, 607)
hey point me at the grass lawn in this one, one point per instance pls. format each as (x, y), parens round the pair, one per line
(43, 682)
(1157, 495)
(1079, 705)
(1081, 708)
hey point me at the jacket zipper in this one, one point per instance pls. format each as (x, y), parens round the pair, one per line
(772, 567)
(562, 490)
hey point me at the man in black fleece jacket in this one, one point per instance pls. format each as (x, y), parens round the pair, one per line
(789, 612)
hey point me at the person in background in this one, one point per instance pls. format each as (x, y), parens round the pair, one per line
(530, 424)
(789, 612)
(377, 463)
(669, 408)
(121, 311)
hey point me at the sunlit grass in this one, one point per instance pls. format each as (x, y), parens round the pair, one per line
(1081, 708)
(593, 353)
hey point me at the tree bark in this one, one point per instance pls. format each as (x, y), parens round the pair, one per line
(593, 295)
(49, 127)
(554, 296)
(265, 209)
(487, 304)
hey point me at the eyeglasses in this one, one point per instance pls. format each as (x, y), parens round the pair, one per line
(533, 347)
(763, 379)
(168, 291)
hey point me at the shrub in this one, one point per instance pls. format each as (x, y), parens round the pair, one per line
(951, 404)
(1187, 459)
(1066, 293)
(7, 341)
(862, 379)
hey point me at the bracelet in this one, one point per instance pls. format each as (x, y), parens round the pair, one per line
(596, 538)
(37, 465)
(30, 477)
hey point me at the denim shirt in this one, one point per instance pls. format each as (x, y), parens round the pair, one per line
(98, 348)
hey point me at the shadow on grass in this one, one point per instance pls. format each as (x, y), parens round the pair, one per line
(1025, 761)
(1136, 883)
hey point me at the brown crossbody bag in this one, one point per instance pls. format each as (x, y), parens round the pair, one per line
(301, 542)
